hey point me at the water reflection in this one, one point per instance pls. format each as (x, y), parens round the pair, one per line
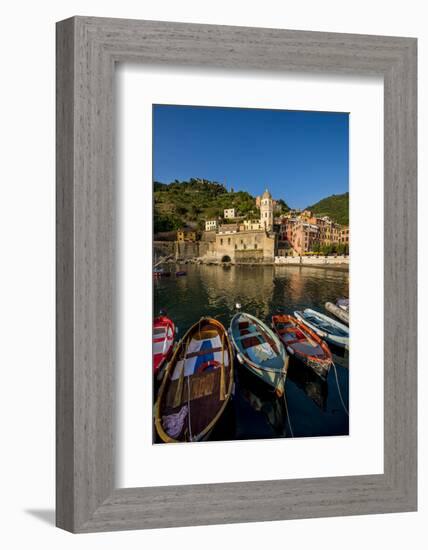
(262, 401)
(314, 406)
(214, 290)
(309, 382)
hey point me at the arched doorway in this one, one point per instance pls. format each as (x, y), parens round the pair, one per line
(226, 259)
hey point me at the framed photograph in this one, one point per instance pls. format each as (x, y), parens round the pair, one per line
(236, 274)
(242, 272)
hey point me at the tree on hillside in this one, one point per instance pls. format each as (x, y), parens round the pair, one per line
(335, 207)
(284, 208)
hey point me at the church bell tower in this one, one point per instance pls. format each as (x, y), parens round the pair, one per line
(266, 211)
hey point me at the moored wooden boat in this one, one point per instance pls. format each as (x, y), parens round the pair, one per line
(338, 312)
(326, 327)
(260, 350)
(162, 342)
(303, 343)
(160, 272)
(343, 303)
(197, 384)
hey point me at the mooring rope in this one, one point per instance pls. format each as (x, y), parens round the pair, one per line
(188, 408)
(288, 415)
(338, 389)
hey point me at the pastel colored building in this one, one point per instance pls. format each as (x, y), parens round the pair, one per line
(344, 235)
(229, 213)
(186, 235)
(251, 225)
(211, 225)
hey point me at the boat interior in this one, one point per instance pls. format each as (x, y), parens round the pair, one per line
(256, 344)
(292, 335)
(329, 327)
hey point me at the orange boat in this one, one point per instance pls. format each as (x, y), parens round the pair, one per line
(303, 343)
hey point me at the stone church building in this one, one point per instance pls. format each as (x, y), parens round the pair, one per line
(248, 242)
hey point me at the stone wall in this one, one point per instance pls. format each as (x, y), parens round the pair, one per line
(243, 245)
(311, 260)
(249, 257)
(249, 247)
(190, 251)
(163, 248)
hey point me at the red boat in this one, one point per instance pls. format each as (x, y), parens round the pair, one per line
(303, 343)
(163, 342)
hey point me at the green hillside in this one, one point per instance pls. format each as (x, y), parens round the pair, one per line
(335, 206)
(192, 202)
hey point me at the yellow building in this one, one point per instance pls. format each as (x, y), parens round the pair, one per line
(251, 225)
(186, 235)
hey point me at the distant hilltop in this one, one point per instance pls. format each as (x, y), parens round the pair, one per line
(335, 207)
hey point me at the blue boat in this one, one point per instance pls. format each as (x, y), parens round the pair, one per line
(326, 327)
(259, 349)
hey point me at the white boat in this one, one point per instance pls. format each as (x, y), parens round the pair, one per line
(338, 312)
(260, 350)
(326, 327)
(343, 303)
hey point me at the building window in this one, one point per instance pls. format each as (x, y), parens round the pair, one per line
(228, 240)
(221, 241)
(236, 246)
(245, 247)
(242, 242)
(255, 246)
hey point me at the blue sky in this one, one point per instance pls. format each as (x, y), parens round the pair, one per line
(301, 156)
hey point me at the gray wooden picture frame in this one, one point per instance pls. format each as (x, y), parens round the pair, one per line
(87, 50)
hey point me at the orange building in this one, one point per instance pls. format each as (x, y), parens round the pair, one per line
(344, 235)
(306, 234)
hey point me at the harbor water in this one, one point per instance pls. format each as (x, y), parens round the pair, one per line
(314, 406)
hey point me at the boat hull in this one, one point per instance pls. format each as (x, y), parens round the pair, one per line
(303, 343)
(163, 343)
(271, 366)
(337, 312)
(325, 333)
(321, 369)
(197, 384)
(275, 382)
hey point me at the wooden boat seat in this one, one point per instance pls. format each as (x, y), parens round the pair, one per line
(250, 341)
(248, 335)
(291, 341)
(201, 353)
(203, 385)
(309, 349)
